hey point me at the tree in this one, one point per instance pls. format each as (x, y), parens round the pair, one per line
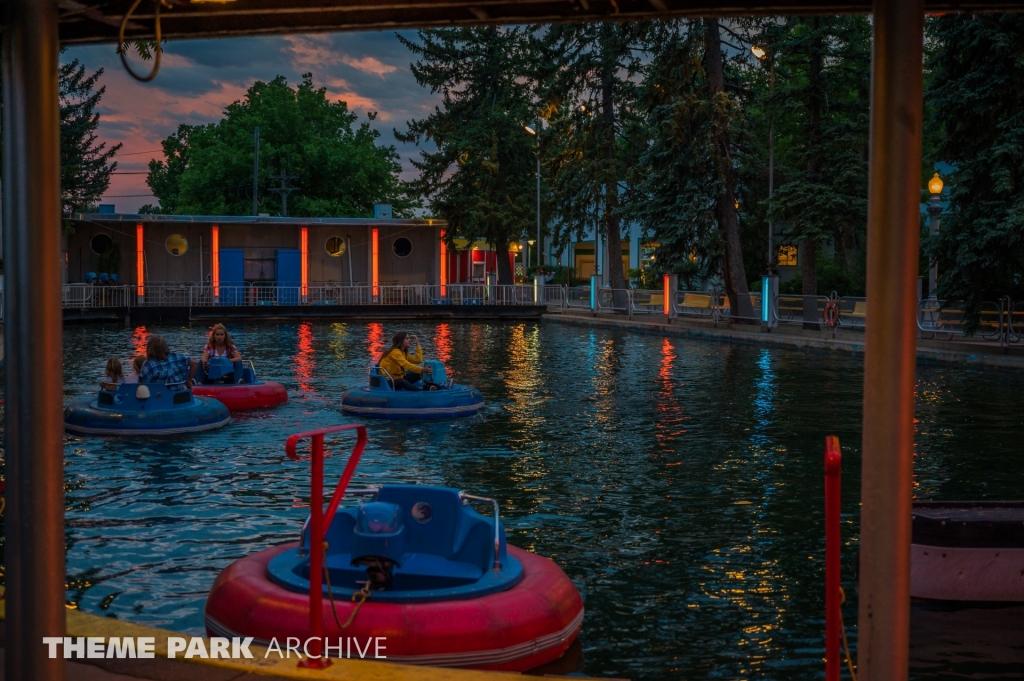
(686, 191)
(481, 176)
(823, 74)
(339, 168)
(977, 94)
(85, 164)
(589, 85)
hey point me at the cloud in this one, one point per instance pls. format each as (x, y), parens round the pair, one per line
(370, 65)
(198, 79)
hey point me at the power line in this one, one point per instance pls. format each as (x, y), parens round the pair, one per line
(136, 153)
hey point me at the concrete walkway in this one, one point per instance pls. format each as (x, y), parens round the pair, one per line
(958, 352)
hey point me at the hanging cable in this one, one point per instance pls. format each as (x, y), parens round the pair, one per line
(123, 48)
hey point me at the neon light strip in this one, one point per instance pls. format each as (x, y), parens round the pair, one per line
(216, 261)
(444, 267)
(373, 257)
(667, 302)
(139, 265)
(305, 260)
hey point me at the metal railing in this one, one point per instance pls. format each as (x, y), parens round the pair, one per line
(946, 319)
(161, 294)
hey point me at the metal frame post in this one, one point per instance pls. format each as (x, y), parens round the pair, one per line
(890, 339)
(35, 391)
(833, 548)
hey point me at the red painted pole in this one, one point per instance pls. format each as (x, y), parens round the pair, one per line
(316, 558)
(318, 524)
(833, 465)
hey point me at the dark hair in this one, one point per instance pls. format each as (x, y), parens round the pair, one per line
(157, 348)
(396, 342)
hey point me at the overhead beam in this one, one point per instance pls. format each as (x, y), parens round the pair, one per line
(184, 20)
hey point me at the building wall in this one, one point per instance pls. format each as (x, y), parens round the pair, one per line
(421, 266)
(259, 244)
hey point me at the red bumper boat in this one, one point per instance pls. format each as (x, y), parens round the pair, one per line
(220, 382)
(413, 565)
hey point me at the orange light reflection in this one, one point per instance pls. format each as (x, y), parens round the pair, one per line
(668, 425)
(305, 358)
(140, 338)
(443, 343)
(374, 341)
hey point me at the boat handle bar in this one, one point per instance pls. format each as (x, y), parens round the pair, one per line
(497, 524)
(320, 521)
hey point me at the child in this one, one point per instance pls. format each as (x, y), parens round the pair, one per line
(220, 345)
(136, 369)
(113, 374)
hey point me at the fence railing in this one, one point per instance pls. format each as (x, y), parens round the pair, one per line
(1002, 320)
(187, 295)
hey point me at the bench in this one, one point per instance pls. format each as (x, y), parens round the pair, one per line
(755, 301)
(697, 301)
(859, 310)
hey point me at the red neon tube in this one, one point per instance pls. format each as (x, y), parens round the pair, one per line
(667, 302)
(215, 241)
(373, 257)
(139, 265)
(305, 261)
(444, 266)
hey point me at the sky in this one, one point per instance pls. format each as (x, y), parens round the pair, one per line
(199, 78)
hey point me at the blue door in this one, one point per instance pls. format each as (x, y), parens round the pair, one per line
(289, 276)
(232, 276)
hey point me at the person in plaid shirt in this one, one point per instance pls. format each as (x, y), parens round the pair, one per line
(164, 366)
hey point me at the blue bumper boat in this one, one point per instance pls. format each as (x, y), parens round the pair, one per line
(443, 399)
(141, 409)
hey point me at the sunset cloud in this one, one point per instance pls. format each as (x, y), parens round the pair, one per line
(199, 79)
(370, 65)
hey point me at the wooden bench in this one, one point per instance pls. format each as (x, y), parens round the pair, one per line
(755, 302)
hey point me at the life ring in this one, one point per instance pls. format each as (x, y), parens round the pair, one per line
(831, 314)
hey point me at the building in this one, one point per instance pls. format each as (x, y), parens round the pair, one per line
(246, 250)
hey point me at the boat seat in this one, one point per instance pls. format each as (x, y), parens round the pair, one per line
(378, 379)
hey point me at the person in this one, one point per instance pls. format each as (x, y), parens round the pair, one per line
(113, 374)
(406, 370)
(164, 366)
(221, 345)
(136, 369)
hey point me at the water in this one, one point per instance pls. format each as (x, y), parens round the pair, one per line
(677, 482)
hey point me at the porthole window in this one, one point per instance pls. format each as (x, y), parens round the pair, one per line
(176, 244)
(335, 246)
(101, 243)
(402, 247)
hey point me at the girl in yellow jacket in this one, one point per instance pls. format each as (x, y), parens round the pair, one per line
(405, 369)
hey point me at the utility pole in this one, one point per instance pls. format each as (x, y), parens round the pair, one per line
(283, 190)
(256, 172)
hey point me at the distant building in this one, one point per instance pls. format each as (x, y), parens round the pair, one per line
(242, 250)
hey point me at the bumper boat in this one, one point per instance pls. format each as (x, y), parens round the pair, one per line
(443, 399)
(135, 409)
(967, 551)
(220, 381)
(414, 563)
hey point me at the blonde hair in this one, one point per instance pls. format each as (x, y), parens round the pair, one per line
(114, 370)
(138, 362)
(227, 336)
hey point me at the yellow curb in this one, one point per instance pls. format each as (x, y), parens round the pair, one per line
(84, 624)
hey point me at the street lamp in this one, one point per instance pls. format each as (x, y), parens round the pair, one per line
(762, 55)
(934, 212)
(534, 133)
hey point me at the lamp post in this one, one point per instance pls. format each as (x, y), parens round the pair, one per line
(535, 133)
(762, 54)
(934, 212)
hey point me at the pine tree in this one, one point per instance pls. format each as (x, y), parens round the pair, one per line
(481, 177)
(821, 96)
(976, 92)
(687, 176)
(85, 163)
(589, 85)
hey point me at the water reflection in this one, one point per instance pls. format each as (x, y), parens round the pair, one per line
(677, 482)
